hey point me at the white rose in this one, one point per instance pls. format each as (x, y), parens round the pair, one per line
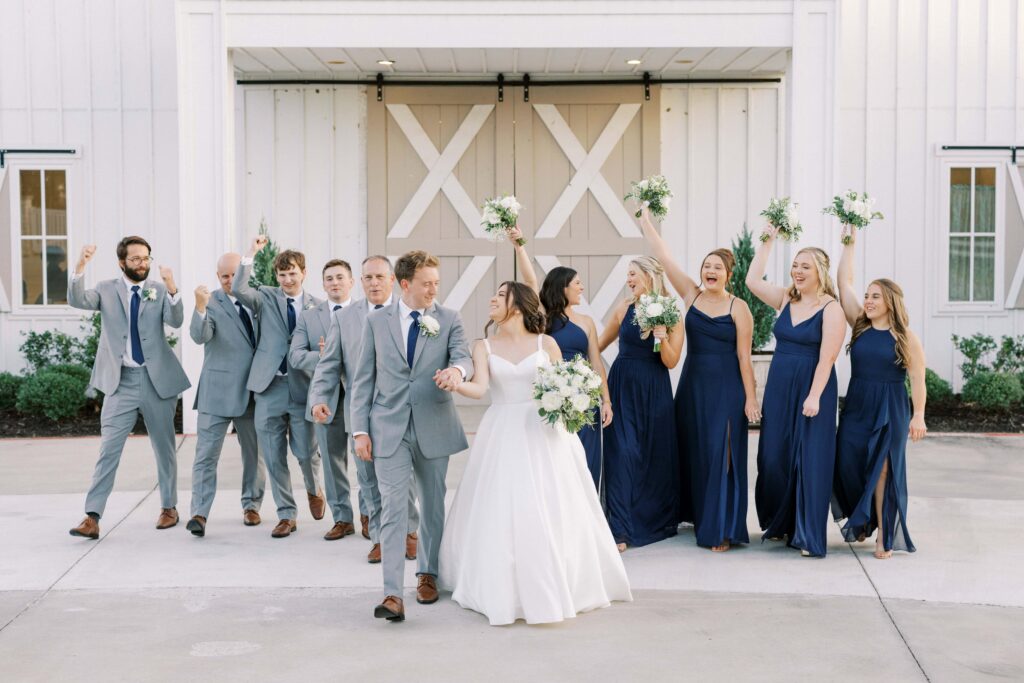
(565, 392)
(577, 381)
(430, 325)
(490, 217)
(848, 206)
(654, 310)
(593, 382)
(791, 215)
(551, 401)
(581, 402)
(642, 185)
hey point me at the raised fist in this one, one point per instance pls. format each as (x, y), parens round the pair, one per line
(202, 298)
(88, 251)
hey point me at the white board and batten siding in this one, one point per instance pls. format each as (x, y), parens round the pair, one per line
(98, 76)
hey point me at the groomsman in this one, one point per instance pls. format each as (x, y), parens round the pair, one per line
(281, 391)
(135, 369)
(227, 331)
(306, 347)
(335, 370)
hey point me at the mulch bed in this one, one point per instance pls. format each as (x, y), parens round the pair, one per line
(14, 425)
(954, 416)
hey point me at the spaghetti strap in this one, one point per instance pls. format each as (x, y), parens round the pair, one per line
(696, 297)
(487, 345)
(731, 302)
(540, 342)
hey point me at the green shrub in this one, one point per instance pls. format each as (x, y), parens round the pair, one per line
(993, 390)
(263, 263)
(1010, 356)
(764, 315)
(56, 392)
(937, 389)
(9, 385)
(975, 349)
(49, 347)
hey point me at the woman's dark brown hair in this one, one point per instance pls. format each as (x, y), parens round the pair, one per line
(523, 299)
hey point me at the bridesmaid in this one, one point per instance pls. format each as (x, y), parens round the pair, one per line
(797, 449)
(641, 463)
(870, 488)
(576, 335)
(715, 398)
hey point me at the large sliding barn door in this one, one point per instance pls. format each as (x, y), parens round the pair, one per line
(569, 154)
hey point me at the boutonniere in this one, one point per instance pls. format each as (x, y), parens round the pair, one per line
(149, 294)
(309, 306)
(429, 326)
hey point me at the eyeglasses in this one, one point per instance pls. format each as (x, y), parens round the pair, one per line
(139, 260)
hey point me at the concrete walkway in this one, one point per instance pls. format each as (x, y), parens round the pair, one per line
(147, 605)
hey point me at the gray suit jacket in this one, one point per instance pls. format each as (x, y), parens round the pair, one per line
(304, 351)
(227, 358)
(110, 298)
(270, 305)
(386, 392)
(335, 369)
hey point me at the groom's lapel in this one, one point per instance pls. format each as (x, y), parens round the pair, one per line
(421, 343)
(395, 323)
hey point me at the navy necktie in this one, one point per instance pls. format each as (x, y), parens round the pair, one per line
(376, 306)
(414, 332)
(246, 323)
(336, 307)
(283, 369)
(134, 327)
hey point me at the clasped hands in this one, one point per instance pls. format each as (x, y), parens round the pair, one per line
(448, 379)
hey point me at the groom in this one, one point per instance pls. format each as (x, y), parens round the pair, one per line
(404, 420)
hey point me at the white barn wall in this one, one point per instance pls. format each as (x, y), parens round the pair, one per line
(98, 76)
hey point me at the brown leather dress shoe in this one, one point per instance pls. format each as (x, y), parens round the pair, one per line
(410, 546)
(251, 518)
(391, 609)
(197, 525)
(339, 530)
(374, 556)
(284, 528)
(90, 528)
(317, 505)
(168, 518)
(364, 521)
(426, 590)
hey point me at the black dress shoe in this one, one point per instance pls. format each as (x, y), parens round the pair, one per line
(197, 525)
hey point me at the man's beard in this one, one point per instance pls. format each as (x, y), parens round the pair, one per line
(134, 275)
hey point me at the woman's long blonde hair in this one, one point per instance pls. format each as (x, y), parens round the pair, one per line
(821, 264)
(899, 321)
(655, 272)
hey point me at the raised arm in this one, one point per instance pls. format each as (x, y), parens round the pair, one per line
(851, 303)
(833, 331)
(299, 354)
(744, 322)
(611, 331)
(918, 390)
(173, 308)
(78, 295)
(596, 362)
(768, 292)
(477, 387)
(527, 274)
(681, 282)
(240, 287)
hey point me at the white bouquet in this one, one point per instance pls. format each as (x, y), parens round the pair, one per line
(653, 193)
(781, 213)
(853, 210)
(653, 310)
(566, 392)
(500, 216)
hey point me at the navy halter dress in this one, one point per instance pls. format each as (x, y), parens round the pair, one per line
(573, 341)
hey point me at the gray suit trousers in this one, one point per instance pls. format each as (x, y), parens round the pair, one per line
(394, 479)
(369, 495)
(209, 442)
(135, 394)
(333, 442)
(278, 421)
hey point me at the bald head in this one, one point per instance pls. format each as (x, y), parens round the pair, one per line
(227, 264)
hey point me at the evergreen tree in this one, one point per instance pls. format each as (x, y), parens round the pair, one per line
(263, 263)
(764, 315)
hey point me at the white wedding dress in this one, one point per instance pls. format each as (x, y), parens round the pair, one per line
(526, 537)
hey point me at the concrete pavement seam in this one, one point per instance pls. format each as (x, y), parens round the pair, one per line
(885, 608)
(46, 591)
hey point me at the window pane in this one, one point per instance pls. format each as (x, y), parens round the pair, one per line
(984, 268)
(32, 272)
(56, 203)
(960, 200)
(985, 176)
(959, 268)
(56, 271)
(31, 204)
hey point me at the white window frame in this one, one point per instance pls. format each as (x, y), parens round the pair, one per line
(947, 163)
(42, 163)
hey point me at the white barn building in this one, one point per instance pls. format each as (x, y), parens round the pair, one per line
(191, 121)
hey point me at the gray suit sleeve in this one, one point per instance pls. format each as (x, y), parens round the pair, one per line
(174, 313)
(328, 368)
(299, 354)
(201, 328)
(240, 288)
(80, 297)
(363, 381)
(458, 349)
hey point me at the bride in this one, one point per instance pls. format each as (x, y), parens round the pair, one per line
(525, 537)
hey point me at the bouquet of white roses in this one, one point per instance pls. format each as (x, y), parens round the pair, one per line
(500, 216)
(653, 193)
(853, 210)
(781, 213)
(653, 310)
(566, 392)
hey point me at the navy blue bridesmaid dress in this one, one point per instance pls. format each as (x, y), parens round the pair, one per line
(573, 341)
(873, 428)
(796, 454)
(641, 460)
(713, 430)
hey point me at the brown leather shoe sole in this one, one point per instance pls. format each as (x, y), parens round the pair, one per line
(91, 536)
(339, 531)
(382, 612)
